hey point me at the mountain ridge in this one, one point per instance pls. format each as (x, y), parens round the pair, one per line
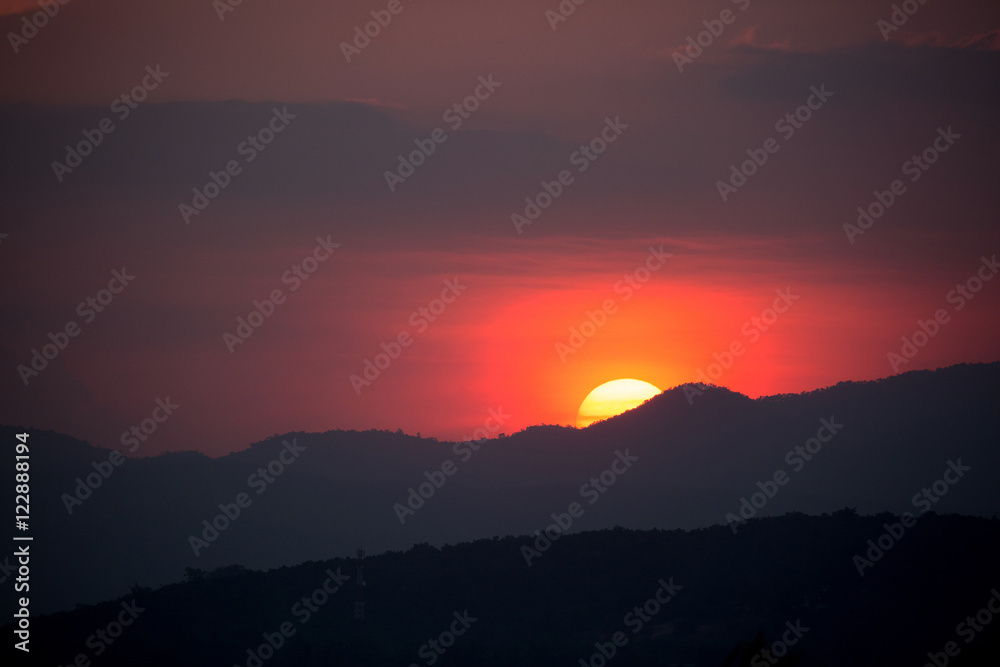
(725, 590)
(694, 465)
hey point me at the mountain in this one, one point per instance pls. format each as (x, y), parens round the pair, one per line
(787, 584)
(670, 463)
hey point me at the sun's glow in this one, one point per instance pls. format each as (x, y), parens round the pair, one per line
(613, 398)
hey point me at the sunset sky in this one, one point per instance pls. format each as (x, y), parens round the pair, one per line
(611, 67)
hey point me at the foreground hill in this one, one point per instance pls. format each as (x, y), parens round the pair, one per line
(793, 578)
(691, 463)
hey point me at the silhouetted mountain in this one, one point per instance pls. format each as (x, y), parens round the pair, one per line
(786, 585)
(695, 462)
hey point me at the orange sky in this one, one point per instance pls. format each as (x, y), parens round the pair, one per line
(495, 346)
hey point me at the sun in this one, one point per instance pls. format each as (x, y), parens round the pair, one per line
(613, 398)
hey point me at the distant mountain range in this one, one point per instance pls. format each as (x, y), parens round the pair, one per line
(688, 458)
(644, 598)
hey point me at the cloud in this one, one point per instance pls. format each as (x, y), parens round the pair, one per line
(749, 37)
(8, 7)
(986, 41)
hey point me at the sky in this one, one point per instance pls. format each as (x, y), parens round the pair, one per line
(649, 248)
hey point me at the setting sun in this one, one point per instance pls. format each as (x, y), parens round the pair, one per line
(613, 398)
